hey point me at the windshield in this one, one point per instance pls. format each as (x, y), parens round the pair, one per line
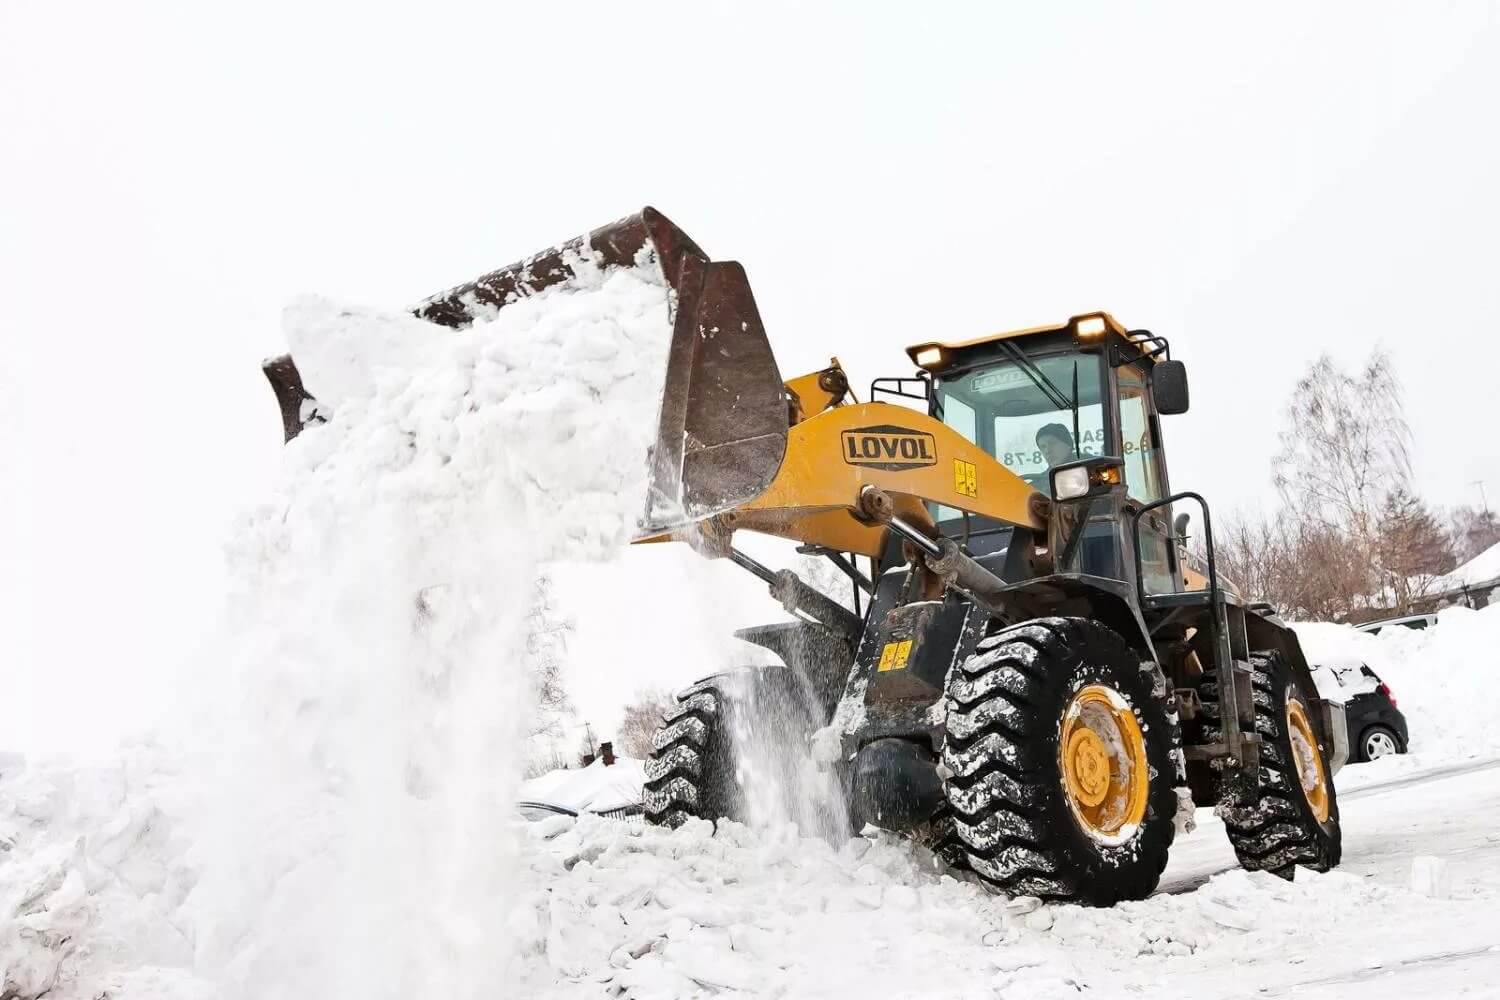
(1031, 413)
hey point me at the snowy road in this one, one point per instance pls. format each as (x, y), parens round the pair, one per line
(1386, 822)
(1452, 813)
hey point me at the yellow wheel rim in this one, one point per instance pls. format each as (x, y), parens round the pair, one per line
(1102, 756)
(1306, 759)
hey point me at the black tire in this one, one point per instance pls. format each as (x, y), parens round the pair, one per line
(694, 771)
(1376, 732)
(940, 836)
(1271, 822)
(1006, 791)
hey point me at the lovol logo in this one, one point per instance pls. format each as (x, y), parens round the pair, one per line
(893, 448)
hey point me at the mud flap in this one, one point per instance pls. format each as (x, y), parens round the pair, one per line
(1336, 726)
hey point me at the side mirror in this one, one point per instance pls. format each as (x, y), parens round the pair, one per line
(1169, 385)
(1180, 525)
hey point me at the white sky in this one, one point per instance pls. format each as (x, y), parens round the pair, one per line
(1259, 184)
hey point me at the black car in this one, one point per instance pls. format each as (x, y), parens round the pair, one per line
(1376, 726)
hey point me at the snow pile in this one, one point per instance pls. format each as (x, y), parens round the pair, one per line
(595, 788)
(1441, 676)
(92, 873)
(338, 826)
(614, 911)
(650, 913)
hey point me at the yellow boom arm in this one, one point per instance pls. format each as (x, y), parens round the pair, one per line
(831, 456)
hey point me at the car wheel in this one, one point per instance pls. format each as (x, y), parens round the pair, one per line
(1378, 741)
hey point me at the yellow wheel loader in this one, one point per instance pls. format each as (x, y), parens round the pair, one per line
(1033, 674)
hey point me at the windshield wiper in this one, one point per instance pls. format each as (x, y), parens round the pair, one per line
(1077, 441)
(1039, 378)
(1049, 388)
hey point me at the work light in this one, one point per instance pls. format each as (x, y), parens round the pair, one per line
(1087, 477)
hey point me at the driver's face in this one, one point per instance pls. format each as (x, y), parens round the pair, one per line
(1055, 450)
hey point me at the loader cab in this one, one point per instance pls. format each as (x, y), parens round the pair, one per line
(1050, 396)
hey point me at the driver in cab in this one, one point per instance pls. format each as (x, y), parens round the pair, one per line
(1056, 445)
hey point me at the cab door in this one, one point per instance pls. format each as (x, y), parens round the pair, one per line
(1145, 477)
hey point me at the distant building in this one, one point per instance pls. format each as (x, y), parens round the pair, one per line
(1473, 584)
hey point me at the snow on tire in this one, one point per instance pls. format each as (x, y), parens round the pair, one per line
(941, 838)
(730, 747)
(1061, 764)
(1274, 824)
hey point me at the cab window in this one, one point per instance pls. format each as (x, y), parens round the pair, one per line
(1029, 414)
(1138, 445)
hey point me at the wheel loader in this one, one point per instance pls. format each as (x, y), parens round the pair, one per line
(1035, 673)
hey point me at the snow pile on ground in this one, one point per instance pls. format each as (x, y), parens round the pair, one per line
(597, 788)
(1441, 676)
(639, 912)
(334, 821)
(93, 872)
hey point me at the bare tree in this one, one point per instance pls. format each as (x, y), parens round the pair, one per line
(544, 761)
(1304, 568)
(642, 718)
(1473, 529)
(1328, 572)
(1253, 553)
(587, 746)
(1344, 476)
(547, 631)
(1345, 446)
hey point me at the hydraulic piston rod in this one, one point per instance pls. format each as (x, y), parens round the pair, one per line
(955, 567)
(796, 595)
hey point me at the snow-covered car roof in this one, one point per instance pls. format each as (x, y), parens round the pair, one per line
(1382, 623)
(598, 788)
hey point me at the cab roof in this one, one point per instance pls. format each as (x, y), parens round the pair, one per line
(917, 351)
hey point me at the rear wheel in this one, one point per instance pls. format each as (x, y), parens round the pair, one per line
(1061, 767)
(1287, 813)
(1377, 742)
(688, 772)
(734, 744)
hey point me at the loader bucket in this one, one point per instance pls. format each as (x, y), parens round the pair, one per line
(724, 413)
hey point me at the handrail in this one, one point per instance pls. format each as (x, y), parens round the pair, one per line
(1229, 719)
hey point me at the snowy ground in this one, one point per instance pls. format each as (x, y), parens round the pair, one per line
(607, 910)
(102, 894)
(653, 914)
(100, 879)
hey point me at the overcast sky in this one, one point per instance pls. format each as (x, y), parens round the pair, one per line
(1260, 184)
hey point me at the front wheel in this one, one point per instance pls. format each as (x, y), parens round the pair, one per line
(1060, 761)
